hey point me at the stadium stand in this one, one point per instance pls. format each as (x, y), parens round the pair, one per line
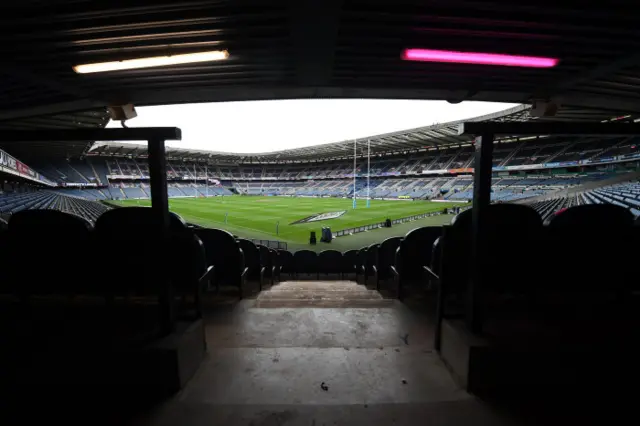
(100, 307)
(626, 195)
(11, 203)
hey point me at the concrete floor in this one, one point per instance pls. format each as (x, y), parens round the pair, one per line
(320, 366)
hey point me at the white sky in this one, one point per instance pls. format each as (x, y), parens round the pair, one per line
(264, 126)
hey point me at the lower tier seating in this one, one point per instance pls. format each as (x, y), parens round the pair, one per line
(14, 202)
(626, 195)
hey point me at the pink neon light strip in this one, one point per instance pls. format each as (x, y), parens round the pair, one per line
(428, 55)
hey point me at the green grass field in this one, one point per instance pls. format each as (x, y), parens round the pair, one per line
(256, 217)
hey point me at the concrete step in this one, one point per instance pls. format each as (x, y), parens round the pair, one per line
(335, 294)
(309, 294)
(323, 303)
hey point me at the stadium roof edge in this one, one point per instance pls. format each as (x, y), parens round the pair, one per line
(435, 135)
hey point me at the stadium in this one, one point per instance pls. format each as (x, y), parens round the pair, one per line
(394, 176)
(465, 271)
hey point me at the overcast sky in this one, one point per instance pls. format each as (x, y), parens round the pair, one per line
(263, 126)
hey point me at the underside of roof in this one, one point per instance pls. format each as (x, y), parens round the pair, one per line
(315, 49)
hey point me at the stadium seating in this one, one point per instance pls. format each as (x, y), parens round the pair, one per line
(275, 261)
(371, 263)
(253, 263)
(224, 253)
(306, 262)
(67, 319)
(330, 262)
(14, 202)
(349, 262)
(412, 255)
(386, 259)
(53, 238)
(286, 263)
(133, 233)
(266, 261)
(625, 195)
(553, 289)
(361, 264)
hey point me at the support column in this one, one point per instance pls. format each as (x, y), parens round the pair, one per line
(160, 207)
(481, 201)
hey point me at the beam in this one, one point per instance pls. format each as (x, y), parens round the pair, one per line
(81, 135)
(481, 202)
(25, 75)
(160, 207)
(314, 32)
(607, 69)
(596, 102)
(50, 109)
(549, 128)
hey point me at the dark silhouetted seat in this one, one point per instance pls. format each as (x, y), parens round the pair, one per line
(48, 252)
(190, 272)
(387, 259)
(149, 264)
(275, 261)
(349, 262)
(361, 264)
(305, 262)
(137, 219)
(513, 233)
(330, 262)
(267, 263)
(3, 225)
(224, 253)
(589, 250)
(371, 263)
(286, 262)
(413, 254)
(591, 216)
(252, 261)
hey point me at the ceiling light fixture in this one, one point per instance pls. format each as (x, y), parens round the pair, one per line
(428, 55)
(155, 61)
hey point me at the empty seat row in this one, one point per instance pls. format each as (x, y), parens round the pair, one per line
(40, 200)
(51, 262)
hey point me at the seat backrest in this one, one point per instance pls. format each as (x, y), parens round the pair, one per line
(275, 257)
(286, 261)
(135, 219)
(589, 249)
(362, 257)
(187, 255)
(251, 253)
(330, 261)
(47, 222)
(416, 251)
(436, 255)
(222, 251)
(265, 257)
(372, 257)
(501, 216)
(349, 261)
(513, 232)
(50, 252)
(305, 261)
(387, 256)
(592, 216)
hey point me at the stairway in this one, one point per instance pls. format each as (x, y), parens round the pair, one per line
(320, 294)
